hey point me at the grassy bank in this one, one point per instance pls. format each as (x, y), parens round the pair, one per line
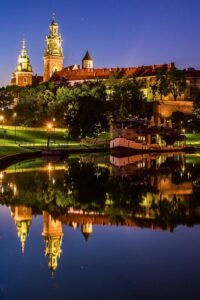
(20, 139)
(30, 135)
(27, 138)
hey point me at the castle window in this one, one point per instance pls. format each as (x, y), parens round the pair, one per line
(25, 80)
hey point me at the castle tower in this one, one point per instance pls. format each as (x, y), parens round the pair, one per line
(87, 61)
(22, 216)
(23, 75)
(53, 54)
(52, 233)
(87, 229)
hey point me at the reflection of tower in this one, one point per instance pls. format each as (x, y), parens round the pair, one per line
(52, 233)
(23, 75)
(22, 216)
(86, 230)
(53, 55)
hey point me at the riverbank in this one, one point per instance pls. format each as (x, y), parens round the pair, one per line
(31, 140)
(17, 140)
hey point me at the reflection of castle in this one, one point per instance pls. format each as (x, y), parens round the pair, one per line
(87, 229)
(22, 216)
(159, 179)
(52, 233)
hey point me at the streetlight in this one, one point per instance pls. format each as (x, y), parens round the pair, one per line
(49, 128)
(14, 116)
(1, 120)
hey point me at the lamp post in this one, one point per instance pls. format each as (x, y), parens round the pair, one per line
(14, 116)
(49, 128)
(1, 122)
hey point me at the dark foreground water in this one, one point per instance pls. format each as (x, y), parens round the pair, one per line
(101, 228)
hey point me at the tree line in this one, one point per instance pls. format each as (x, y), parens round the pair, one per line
(84, 109)
(89, 108)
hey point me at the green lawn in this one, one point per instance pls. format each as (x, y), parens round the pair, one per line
(26, 137)
(33, 136)
(29, 138)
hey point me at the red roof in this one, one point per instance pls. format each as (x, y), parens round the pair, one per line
(89, 74)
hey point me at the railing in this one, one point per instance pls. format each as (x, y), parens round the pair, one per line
(52, 146)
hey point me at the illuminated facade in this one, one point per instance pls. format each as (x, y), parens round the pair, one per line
(23, 75)
(53, 54)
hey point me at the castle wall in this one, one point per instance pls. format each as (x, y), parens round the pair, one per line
(165, 109)
(24, 79)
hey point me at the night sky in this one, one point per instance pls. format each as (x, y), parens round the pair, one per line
(116, 32)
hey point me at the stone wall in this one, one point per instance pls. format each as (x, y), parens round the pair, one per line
(165, 109)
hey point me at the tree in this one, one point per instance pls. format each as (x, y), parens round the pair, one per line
(125, 98)
(85, 116)
(177, 82)
(169, 81)
(161, 86)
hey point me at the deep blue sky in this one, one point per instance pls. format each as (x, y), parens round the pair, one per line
(117, 32)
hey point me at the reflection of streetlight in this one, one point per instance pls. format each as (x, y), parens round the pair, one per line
(181, 125)
(49, 128)
(14, 116)
(54, 130)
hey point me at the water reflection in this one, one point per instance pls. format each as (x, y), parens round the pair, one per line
(151, 191)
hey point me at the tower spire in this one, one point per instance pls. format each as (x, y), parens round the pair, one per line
(24, 52)
(23, 75)
(53, 54)
(24, 43)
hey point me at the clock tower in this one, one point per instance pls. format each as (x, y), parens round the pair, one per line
(53, 54)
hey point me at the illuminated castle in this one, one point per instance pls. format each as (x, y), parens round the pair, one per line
(53, 60)
(55, 71)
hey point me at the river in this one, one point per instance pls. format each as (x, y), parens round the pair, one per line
(101, 227)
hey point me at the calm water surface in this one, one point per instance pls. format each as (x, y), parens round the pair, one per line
(96, 227)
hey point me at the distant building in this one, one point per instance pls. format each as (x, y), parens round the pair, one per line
(87, 62)
(23, 75)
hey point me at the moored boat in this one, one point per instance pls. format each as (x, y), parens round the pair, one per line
(139, 136)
